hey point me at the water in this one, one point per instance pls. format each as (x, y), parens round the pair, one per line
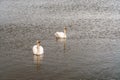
(73, 59)
(91, 51)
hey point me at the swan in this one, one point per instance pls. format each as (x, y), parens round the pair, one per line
(38, 49)
(61, 35)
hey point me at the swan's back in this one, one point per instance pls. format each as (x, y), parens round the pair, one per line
(38, 51)
(60, 35)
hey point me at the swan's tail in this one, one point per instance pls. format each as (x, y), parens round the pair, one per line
(56, 34)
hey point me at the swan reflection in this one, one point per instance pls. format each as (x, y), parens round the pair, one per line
(63, 41)
(38, 60)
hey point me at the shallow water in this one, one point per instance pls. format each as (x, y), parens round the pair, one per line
(91, 51)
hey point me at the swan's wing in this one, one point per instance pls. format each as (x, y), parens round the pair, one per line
(41, 50)
(59, 34)
(35, 49)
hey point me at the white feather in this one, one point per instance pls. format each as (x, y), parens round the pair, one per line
(60, 35)
(38, 51)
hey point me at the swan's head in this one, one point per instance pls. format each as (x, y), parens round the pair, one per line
(65, 28)
(38, 42)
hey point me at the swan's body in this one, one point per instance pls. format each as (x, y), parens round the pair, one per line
(61, 35)
(37, 49)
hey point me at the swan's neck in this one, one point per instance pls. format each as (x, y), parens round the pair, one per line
(38, 45)
(65, 32)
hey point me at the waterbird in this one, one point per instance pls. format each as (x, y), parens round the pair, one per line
(61, 35)
(38, 49)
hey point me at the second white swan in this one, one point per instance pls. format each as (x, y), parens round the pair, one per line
(61, 35)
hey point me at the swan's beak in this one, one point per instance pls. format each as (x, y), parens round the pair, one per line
(38, 41)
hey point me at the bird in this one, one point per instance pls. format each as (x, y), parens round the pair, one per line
(61, 35)
(38, 49)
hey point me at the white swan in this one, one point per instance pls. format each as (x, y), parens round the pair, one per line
(61, 35)
(38, 49)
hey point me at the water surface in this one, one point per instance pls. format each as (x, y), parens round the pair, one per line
(91, 51)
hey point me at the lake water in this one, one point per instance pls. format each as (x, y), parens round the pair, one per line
(91, 51)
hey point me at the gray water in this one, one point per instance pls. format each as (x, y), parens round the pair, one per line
(91, 51)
